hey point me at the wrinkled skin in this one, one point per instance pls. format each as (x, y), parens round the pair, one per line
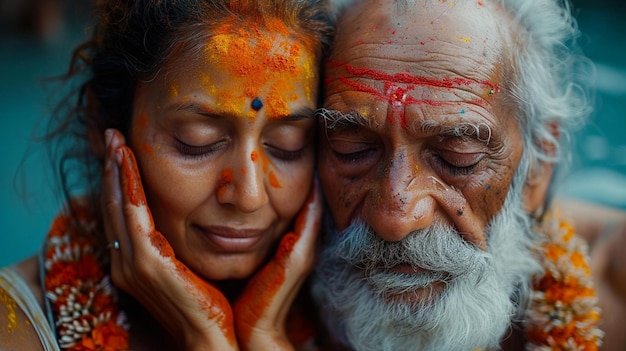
(407, 80)
(395, 172)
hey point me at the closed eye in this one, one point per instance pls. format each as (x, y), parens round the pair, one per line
(198, 152)
(285, 155)
(459, 165)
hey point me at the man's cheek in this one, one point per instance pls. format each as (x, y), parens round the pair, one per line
(491, 194)
(343, 198)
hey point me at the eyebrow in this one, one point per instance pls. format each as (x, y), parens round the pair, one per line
(480, 131)
(335, 119)
(299, 114)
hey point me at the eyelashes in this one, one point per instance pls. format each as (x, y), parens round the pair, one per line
(200, 152)
(453, 169)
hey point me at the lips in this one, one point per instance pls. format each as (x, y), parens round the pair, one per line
(231, 240)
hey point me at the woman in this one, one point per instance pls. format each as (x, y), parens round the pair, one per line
(211, 102)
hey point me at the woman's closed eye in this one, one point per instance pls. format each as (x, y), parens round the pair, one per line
(285, 155)
(199, 151)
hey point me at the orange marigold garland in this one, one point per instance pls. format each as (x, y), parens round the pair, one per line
(564, 312)
(81, 296)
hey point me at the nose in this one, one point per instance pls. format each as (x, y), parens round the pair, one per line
(243, 185)
(400, 201)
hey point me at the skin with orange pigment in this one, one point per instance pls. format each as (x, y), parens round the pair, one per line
(273, 180)
(226, 178)
(210, 298)
(253, 302)
(251, 53)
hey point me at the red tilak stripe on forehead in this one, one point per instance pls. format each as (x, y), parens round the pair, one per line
(398, 96)
(403, 77)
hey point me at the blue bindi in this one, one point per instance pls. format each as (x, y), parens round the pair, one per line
(256, 104)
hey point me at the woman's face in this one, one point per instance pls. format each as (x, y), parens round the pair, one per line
(223, 137)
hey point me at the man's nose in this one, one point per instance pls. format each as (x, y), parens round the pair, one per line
(400, 202)
(244, 189)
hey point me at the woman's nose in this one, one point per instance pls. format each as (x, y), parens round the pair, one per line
(244, 189)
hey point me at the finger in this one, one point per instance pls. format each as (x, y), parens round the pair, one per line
(139, 222)
(111, 194)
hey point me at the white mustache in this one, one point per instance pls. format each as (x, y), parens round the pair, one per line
(439, 249)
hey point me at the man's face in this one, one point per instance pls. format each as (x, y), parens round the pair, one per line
(418, 151)
(417, 130)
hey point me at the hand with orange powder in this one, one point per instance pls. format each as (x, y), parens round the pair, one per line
(144, 265)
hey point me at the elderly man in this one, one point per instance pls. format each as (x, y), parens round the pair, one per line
(439, 132)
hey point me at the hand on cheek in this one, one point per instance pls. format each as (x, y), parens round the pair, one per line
(191, 309)
(261, 310)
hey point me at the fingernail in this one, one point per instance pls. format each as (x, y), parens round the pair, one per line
(108, 137)
(119, 156)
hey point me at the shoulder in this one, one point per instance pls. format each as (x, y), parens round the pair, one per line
(17, 331)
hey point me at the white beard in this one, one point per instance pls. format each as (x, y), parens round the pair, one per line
(367, 307)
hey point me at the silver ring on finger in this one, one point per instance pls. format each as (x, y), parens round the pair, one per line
(114, 245)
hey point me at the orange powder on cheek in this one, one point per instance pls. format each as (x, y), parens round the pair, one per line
(273, 180)
(254, 156)
(147, 149)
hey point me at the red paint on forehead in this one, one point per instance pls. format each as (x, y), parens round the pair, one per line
(398, 96)
(407, 78)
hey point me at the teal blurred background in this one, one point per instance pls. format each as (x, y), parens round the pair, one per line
(36, 39)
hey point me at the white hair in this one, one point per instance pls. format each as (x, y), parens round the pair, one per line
(484, 292)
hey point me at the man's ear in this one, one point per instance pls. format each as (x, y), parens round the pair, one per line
(539, 178)
(536, 187)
